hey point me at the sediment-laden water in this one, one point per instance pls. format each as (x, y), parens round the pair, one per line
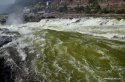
(65, 50)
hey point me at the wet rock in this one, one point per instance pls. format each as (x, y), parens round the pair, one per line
(3, 30)
(6, 73)
(7, 37)
(8, 32)
(5, 40)
(2, 21)
(77, 21)
(36, 17)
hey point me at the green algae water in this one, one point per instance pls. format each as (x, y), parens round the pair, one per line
(75, 57)
(73, 52)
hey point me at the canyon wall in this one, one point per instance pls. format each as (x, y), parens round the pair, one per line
(102, 3)
(113, 4)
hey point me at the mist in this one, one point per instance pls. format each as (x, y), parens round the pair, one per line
(13, 11)
(16, 17)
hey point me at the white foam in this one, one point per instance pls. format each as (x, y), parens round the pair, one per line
(88, 25)
(20, 48)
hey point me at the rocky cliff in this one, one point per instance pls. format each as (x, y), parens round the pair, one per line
(105, 6)
(112, 4)
(83, 2)
(87, 6)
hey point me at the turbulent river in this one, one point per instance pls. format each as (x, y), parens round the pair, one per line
(64, 50)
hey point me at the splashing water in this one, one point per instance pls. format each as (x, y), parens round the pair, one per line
(72, 50)
(16, 17)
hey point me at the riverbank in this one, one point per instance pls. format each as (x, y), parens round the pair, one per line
(38, 17)
(117, 16)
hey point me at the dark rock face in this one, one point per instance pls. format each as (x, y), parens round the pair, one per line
(3, 21)
(6, 73)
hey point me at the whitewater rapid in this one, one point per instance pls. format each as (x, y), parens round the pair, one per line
(108, 28)
(70, 50)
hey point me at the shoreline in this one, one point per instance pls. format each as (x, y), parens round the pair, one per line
(68, 15)
(38, 17)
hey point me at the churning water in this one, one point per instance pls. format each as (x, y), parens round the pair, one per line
(67, 50)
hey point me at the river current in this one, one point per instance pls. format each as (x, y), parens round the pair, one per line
(67, 50)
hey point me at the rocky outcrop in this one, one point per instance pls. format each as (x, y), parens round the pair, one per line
(3, 19)
(37, 17)
(12, 67)
(6, 73)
